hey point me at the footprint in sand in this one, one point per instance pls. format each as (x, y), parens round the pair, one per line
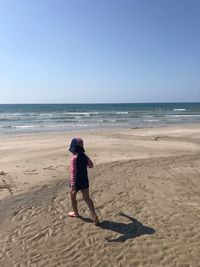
(6, 186)
(51, 168)
(60, 166)
(31, 172)
(3, 173)
(7, 183)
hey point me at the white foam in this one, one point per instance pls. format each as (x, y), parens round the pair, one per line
(184, 116)
(122, 112)
(151, 120)
(179, 109)
(23, 127)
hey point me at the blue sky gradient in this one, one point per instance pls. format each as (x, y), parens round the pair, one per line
(89, 51)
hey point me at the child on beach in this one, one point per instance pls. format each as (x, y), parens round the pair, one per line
(79, 178)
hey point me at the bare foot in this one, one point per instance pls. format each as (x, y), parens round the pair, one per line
(73, 214)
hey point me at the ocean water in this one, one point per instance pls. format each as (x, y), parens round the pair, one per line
(24, 118)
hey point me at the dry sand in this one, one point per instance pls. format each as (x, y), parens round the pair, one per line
(145, 186)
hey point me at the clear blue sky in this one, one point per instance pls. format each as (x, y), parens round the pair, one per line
(87, 51)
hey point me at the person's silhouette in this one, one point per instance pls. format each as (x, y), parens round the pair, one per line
(130, 230)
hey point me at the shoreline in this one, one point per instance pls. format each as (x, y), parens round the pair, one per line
(184, 125)
(85, 117)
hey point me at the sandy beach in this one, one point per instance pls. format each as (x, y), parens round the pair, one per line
(145, 186)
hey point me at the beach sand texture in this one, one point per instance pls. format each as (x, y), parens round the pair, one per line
(145, 186)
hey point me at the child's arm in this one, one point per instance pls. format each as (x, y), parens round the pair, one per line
(73, 171)
(90, 163)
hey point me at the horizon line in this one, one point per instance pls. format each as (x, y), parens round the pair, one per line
(97, 103)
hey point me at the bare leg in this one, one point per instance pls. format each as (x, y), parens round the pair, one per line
(89, 202)
(74, 204)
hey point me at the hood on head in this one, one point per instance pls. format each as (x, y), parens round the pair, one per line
(76, 145)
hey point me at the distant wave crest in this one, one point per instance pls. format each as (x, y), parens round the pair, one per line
(179, 109)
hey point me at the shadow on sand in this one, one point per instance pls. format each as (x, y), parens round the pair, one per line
(128, 231)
